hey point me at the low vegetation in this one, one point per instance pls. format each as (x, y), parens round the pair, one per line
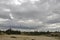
(10, 32)
(17, 35)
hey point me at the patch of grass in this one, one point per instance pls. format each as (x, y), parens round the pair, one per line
(33, 39)
(13, 37)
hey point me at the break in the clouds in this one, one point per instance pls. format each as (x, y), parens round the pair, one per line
(30, 14)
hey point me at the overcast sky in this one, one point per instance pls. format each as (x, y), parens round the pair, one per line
(30, 14)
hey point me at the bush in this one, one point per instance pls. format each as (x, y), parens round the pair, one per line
(9, 31)
(13, 37)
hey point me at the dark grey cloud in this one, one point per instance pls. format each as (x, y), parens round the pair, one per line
(29, 13)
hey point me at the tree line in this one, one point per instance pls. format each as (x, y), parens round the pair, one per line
(10, 31)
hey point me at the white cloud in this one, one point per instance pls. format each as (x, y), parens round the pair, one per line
(53, 16)
(40, 22)
(31, 22)
(53, 26)
(21, 21)
(16, 2)
(27, 21)
(22, 1)
(11, 16)
(11, 2)
(6, 10)
(19, 2)
(33, 1)
(1, 19)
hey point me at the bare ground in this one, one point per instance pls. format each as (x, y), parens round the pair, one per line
(24, 37)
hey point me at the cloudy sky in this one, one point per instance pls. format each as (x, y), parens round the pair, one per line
(30, 14)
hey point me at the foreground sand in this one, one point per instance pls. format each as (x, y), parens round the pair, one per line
(24, 37)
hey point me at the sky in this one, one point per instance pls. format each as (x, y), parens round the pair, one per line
(30, 15)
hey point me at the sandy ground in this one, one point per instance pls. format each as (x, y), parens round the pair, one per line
(23, 37)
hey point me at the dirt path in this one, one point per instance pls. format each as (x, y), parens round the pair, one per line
(20, 37)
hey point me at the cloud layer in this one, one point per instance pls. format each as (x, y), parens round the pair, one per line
(30, 14)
